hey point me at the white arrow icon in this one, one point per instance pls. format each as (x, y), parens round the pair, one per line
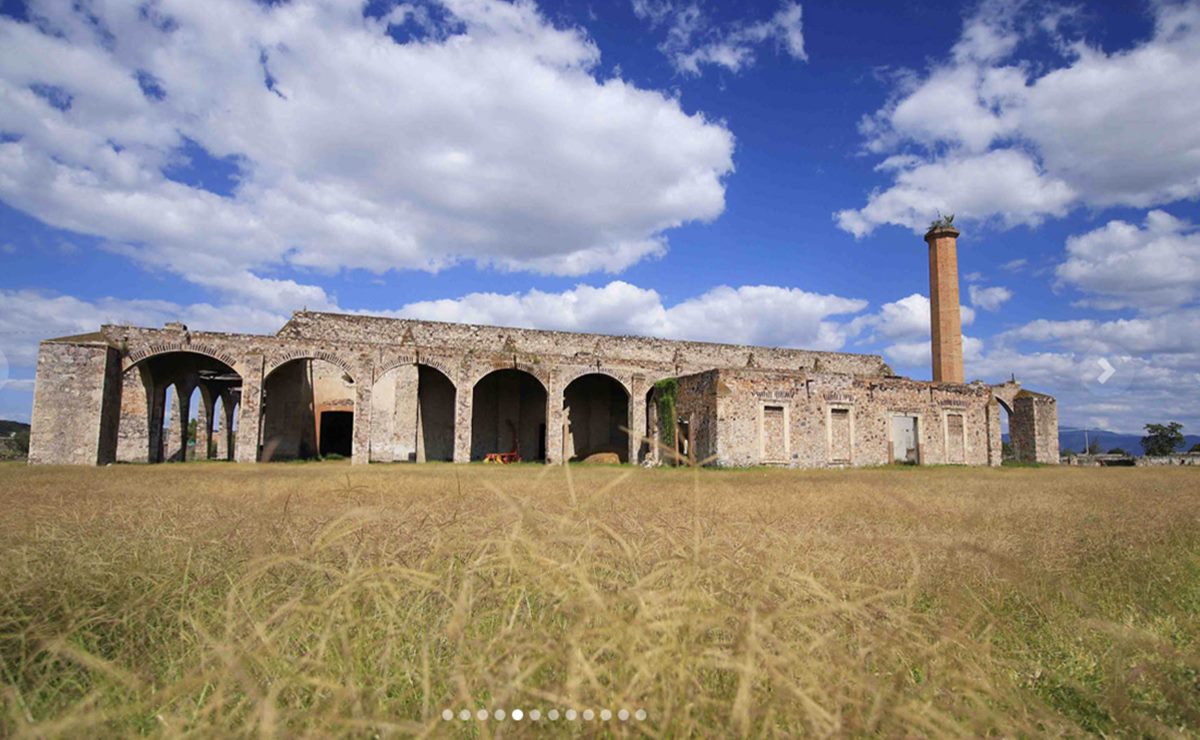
(1108, 369)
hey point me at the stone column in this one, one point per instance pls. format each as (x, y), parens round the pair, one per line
(133, 435)
(183, 400)
(75, 404)
(204, 423)
(158, 402)
(250, 419)
(405, 412)
(637, 420)
(652, 425)
(176, 444)
(230, 409)
(556, 421)
(360, 447)
(463, 404)
(221, 427)
(995, 434)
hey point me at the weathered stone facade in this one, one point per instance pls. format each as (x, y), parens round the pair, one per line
(390, 390)
(807, 419)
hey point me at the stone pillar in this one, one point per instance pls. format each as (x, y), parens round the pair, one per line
(1033, 428)
(652, 432)
(995, 435)
(230, 409)
(250, 418)
(204, 424)
(76, 404)
(158, 402)
(360, 447)
(556, 421)
(176, 436)
(463, 404)
(183, 399)
(945, 321)
(637, 421)
(406, 428)
(221, 427)
(133, 435)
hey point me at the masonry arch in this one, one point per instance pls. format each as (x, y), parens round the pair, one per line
(508, 413)
(596, 408)
(157, 349)
(157, 392)
(308, 407)
(412, 415)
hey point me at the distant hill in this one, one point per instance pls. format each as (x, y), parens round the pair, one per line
(8, 427)
(1070, 438)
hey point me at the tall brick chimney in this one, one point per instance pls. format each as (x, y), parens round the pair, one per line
(944, 319)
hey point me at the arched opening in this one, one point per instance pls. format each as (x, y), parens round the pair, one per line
(412, 415)
(597, 413)
(161, 396)
(307, 411)
(1008, 445)
(665, 442)
(509, 415)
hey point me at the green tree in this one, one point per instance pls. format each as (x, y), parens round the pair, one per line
(1094, 447)
(1162, 439)
(1195, 447)
(1118, 451)
(22, 441)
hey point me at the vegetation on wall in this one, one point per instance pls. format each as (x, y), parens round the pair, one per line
(666, 395)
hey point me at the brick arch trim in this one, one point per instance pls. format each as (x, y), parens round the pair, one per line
(280, 361)
(155, 349)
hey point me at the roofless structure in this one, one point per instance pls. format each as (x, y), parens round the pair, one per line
(397, 390)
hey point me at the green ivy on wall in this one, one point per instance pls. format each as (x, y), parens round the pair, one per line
(667, 394)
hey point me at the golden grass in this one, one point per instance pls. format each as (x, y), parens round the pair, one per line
(320, 599)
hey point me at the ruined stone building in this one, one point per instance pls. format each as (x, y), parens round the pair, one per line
(396, 390)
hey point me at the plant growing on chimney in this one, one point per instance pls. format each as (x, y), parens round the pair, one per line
(942, 222)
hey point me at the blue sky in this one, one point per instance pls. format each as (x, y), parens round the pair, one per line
(747, 172)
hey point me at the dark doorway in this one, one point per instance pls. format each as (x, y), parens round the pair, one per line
(337, 433)
(435, 403)
(597, 409)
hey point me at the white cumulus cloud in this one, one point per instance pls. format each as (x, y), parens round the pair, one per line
(1148, 267)
(354, 141)
(990, 136)
(989, 298)
(693, 41)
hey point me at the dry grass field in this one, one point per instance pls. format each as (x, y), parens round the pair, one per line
(325, 600)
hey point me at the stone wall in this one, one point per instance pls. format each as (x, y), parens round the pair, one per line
(1033, 428)
(827, 420)
(672, 357)
(1186, 458)
(750, 404)
(75, 404)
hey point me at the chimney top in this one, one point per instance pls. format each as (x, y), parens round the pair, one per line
(941, 231)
